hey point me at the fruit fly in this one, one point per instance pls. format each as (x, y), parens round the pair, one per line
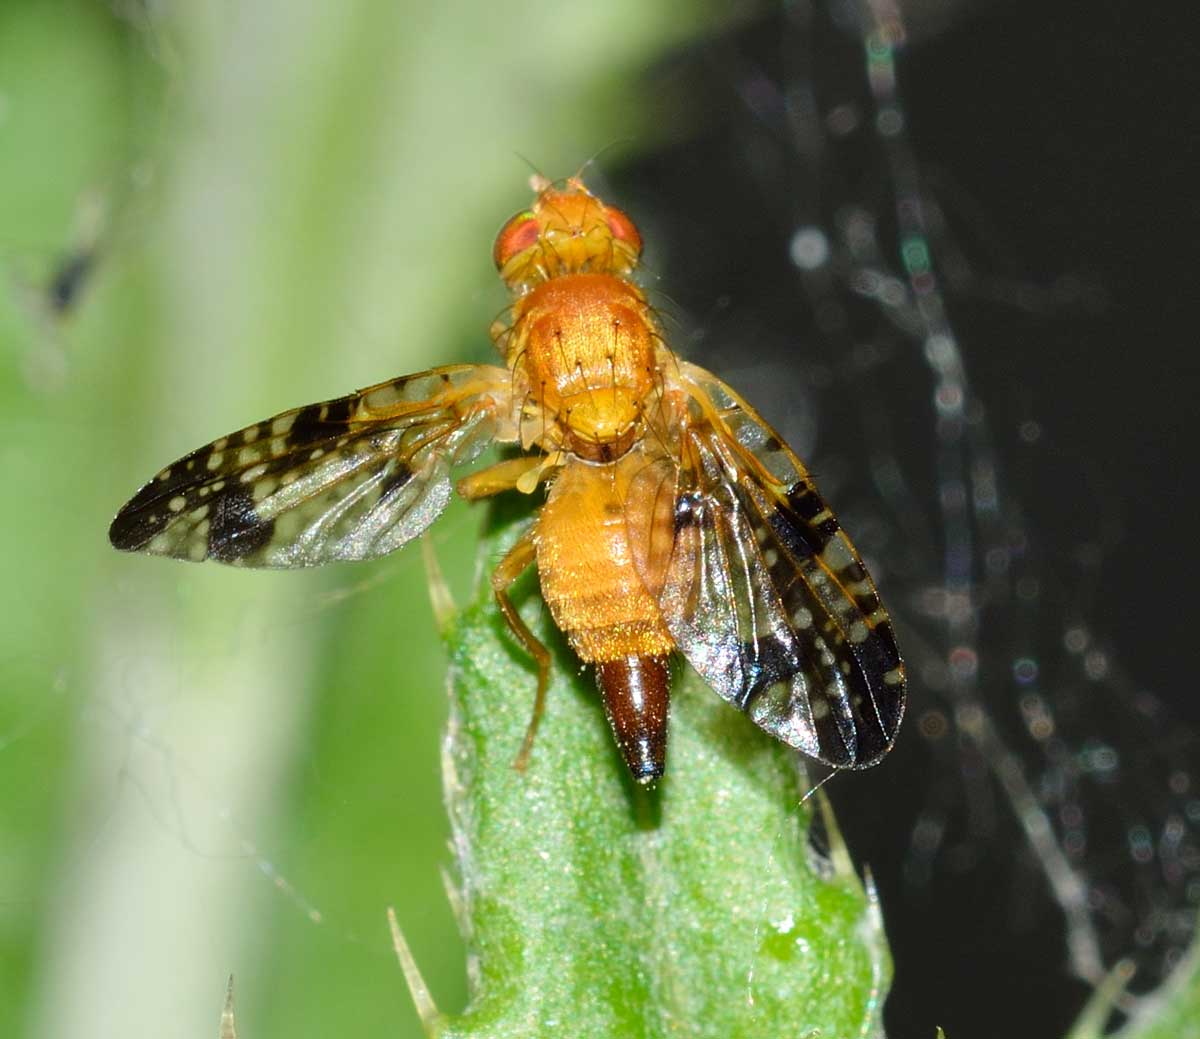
(675, 519)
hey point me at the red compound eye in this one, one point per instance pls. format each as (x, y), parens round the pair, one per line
(623, 230)
(516, 236)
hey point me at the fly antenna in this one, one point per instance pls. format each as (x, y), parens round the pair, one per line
(538, 181)
(592, 159)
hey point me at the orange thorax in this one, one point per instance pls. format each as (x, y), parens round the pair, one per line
(586, 343)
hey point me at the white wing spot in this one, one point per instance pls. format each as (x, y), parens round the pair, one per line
(215, 460)
(283, 424)
(802, 618)
(382, 397)
(218, 486)
(248, 456)
(837, 554)
(177, 503)
(893, 677)
(253, 473)
(858, 632)
(164, 475)
(250, 435)
(316, 453)
(770, 557)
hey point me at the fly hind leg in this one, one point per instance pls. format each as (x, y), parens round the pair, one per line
(511, 567)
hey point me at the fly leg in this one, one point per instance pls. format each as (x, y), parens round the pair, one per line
(498, 478)
(511, 567)
(495, 479)
(523, 473)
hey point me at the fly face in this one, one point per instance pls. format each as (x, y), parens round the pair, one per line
(567, 230)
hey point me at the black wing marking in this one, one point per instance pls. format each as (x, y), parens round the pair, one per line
(763, 593)
(347, 479)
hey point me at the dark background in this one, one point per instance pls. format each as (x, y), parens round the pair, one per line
(1060, 141)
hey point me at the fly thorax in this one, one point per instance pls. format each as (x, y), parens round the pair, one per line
(585, 343)
(601, 425)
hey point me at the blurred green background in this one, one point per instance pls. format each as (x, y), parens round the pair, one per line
(246, 207)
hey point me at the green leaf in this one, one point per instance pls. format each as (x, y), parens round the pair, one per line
(1170, 1012)
(593, 907)
(1173, 1012)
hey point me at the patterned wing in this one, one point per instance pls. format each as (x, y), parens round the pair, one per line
(762, 591)
(352, 478)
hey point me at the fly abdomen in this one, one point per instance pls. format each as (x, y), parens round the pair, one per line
(586, 567)
(636, 693)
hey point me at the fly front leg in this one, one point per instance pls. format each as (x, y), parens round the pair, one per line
(510, 568)
(498, 478)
